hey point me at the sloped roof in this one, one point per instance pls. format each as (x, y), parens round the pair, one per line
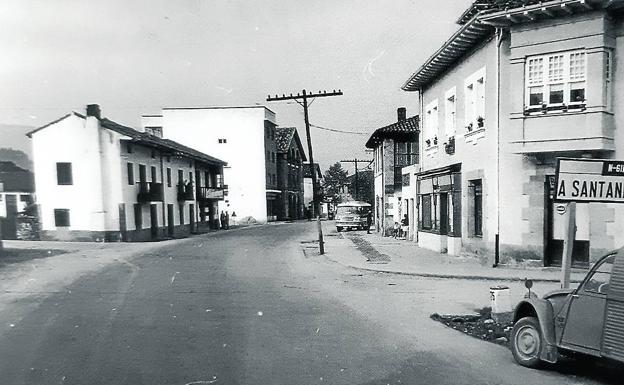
(307, 170)
(284, 137)
(401, 130)
(479, 22)
(145, 139)
(16, 179)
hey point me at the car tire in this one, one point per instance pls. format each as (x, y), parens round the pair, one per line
(338, 229)
(526, 342)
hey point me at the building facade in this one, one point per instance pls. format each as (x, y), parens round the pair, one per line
(98, 180)
(511, 91)
(308, 191)
(290, 158)
(16, 193)
(395, 148)
(244, 137)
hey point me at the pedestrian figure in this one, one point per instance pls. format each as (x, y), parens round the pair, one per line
(396, 229)
(369, 221)
(227, 220)
(222, 217)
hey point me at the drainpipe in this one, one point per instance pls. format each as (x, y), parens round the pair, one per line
(421, 155)
(499, 41)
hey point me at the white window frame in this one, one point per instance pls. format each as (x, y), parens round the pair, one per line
(450, 112)
(546, 79)
(432, 122)
(474, 99)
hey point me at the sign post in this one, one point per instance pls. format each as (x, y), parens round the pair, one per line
(584, 181)
(568, 245)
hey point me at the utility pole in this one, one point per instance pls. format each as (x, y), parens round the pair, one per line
(357, 184)
(304, 102)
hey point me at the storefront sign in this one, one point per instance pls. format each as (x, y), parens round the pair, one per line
(589, 180)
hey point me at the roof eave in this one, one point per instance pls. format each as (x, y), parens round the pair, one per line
(469, 35)
(546, 10)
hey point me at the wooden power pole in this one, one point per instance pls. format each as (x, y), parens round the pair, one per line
(304, 96)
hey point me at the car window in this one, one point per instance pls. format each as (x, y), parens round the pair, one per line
(599, 280)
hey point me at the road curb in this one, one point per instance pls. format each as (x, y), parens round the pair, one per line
(447, 276)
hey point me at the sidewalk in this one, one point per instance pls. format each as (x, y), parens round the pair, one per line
(373, 252)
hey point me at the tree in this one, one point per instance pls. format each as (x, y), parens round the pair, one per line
(365, 185)
(334, 182)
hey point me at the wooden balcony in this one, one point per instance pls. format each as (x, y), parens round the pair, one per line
(150, 192)
(210, 193)
(185, 192)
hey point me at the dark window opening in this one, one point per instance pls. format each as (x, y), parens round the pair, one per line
(477, 187)
(154, 175)
(130, 173)
(168, 177)
(64, 174)
(61, 217)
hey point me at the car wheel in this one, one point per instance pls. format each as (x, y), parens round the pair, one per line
(338, 229)
(526, 342)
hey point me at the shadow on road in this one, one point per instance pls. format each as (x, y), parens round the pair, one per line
(12, 256)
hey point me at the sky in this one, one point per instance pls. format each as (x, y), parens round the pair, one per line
(134, 57)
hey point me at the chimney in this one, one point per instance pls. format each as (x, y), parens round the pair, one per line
(152, 124)
(93, 110)
(401, 114)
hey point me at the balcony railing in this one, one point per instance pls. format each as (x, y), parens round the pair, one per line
(185, 192)
(150, 192)
(210, 193)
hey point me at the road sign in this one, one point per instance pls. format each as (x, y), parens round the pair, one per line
(589, 180)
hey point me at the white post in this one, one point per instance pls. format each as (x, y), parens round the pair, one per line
(568, 245)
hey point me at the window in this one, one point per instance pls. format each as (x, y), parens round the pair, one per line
(222, 140)
(181, 211)
(477, 195)
(474, 95)
(426, 212)
(129, 148)
(24, 198)
(64, 174)
(154, 175)
(130, 173)
(180, 177)
(61, 217)
(449, 113)
(272, 157)
(556, 80)
(138, 216)
(142, 172)
(431, 122)
(599, 280)
(168, 177)
(153, 154)
(219, 180)
(191, 177)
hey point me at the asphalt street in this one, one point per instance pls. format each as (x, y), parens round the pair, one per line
(249, 307)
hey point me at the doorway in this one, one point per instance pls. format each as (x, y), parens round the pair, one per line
(444, 217)
(154, 221)
(554, 225)
(170, 225)
(9, 224)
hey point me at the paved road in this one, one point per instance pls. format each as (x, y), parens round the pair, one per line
(247, 307)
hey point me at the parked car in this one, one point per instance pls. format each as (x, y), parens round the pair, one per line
(352, 215)
(587, 320)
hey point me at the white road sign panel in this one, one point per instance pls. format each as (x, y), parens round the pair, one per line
(589, 180)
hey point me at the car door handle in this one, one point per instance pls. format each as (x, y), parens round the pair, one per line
(574, 296)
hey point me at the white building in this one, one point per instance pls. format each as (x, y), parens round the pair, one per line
(98, 180)
(244, 137)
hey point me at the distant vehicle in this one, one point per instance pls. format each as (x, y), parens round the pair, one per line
(587, 320)
(352, 215)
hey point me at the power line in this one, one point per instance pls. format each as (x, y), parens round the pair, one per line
(339, 131)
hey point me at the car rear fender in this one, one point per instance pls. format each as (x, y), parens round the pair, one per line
(543, 311)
